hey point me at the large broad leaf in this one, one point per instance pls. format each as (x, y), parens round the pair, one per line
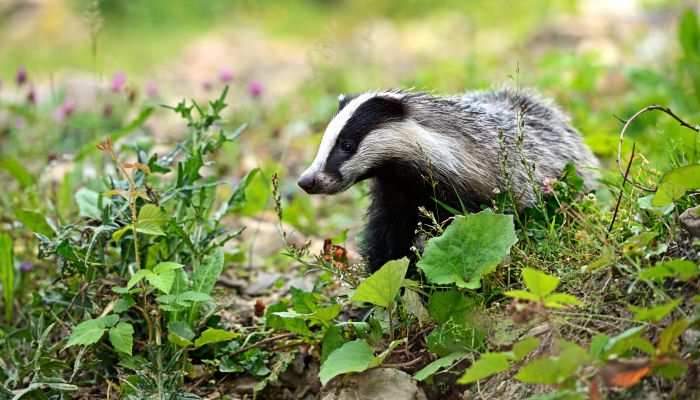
(151, 220)
(35, 222)
(452, 305)
(430, 369)
(353, 356)
(382, 286)
(323, 314)
(675, 183)
(468, 248)
(122, 337)
(87, 332)
(206, 275)
(180, 333)
(88, 201)
(7, 273)
(212, 335)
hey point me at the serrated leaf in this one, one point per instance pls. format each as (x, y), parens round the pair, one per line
(354, 356)
(195, 296)
(87, 332)
(110, 320)
(430, 369)
(487, 365)
(206, 275)
(558, 300)
(124, 303)
(554, 369)
(468, 248)
(122, 337)
(35, 222)
(655, 314)
(539, 283)
(180, 333)
(137, 277)
(163, 281)
(522, 294)
(212, 335)
(381, 287)
(524, 347)
(675, 183)
(151, 220)
(166, 266)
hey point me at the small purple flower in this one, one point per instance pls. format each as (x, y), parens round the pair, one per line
(226, 75)
(118, 82)
(152, 89)
(1, 83)
(207, 84)
(255, 89)
(64, 111)
(26, 266)
(548, 185)
(21, 77)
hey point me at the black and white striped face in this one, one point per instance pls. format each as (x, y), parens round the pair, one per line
(352, 146)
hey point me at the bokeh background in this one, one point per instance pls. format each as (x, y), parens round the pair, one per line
(73, 72)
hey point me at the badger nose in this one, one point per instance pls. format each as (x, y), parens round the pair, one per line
(308, 183)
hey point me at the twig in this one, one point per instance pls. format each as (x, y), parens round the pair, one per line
(404, 365)
(262, 342)
(627, 124)
(622, 191)
(75, 298)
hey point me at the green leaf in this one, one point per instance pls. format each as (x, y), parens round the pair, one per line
(452, 306)
(122, 337)
(353, 356)
(163, 281)
(137, 277)
(324, 314)
(273, 321)
(34, 222)
(524, 347)
(597, 346)
(212, 335)
(180, 333)
(682, 269)
(381, 287)
(166, 266)
(87, 332)
(151, 220)
(689, 34)
(553, 370)
(655, 314)
(670, 335)
(195, 296)
(487, 365)
(332, 340)
(675, 183)
(620, 343)
(206, 275)
(124, 303)
(430, 369)
(118, 234)
(522, 294)
(110, 320)
(7, 274)
(302, 301)
(379, 359)
(17, 170)
(88, 201)
(558, 300)
(539, 283)
(468, 248)
(238, 200)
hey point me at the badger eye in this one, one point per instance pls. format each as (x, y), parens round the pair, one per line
(346, 147)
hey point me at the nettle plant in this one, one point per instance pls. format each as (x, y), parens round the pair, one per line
(157, 241)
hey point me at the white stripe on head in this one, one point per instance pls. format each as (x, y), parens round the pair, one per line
(333, 130)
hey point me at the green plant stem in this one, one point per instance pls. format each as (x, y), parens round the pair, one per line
(391, 324)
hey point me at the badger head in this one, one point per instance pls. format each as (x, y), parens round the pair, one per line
(355, 143)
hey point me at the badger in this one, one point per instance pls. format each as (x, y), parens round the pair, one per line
(425, 150)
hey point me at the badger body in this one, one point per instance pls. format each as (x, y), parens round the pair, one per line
(416, 148)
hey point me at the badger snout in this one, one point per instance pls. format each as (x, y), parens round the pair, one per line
(309, 183)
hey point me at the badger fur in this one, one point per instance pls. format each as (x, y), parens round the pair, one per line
(417, 147)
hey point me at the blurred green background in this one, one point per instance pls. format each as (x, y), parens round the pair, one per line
(286, 62)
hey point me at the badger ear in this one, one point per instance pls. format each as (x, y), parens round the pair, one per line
(391, 104)
(344, 100)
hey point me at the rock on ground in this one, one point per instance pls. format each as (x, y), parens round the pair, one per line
(378, 383)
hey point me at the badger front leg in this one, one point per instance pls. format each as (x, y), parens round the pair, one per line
(391, 225)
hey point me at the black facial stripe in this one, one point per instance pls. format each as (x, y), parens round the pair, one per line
(369, 116)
